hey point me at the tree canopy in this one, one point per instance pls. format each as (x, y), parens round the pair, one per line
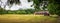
(14, 1)
(54, 7)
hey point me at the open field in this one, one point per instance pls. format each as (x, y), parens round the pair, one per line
(14, 18)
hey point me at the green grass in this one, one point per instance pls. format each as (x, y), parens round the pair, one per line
(14, 18)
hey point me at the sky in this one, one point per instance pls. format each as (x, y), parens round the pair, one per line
(24, 5)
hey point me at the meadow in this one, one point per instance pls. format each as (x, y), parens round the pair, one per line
(26, 18)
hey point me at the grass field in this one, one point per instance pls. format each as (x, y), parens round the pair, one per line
(16, 18)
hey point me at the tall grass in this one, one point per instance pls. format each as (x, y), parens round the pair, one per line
(14, 18)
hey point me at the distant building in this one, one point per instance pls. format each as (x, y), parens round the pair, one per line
(45, 13)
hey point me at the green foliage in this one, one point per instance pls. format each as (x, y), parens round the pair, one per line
(58, 9)
(37, 4)
(10, 12)
(20, 12)
(54, 9)
(2, 11)
(37, 8)
(28, 11)
(51, 8)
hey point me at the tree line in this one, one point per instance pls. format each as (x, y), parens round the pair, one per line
(53, 6)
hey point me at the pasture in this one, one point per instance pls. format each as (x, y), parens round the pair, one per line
(29, 18)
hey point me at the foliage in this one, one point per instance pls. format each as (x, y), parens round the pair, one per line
(2, 11)
(29, 0)
(54, 7)
(28, 11)
(37, 4)
(13, 1)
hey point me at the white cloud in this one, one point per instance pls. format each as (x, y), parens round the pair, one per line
(24, 5)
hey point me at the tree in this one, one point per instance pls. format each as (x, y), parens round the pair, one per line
(51, 8)
(11, 2)
(36, 4)
(30, 0)
(0, 3)
(2, 11)
(54, 7)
